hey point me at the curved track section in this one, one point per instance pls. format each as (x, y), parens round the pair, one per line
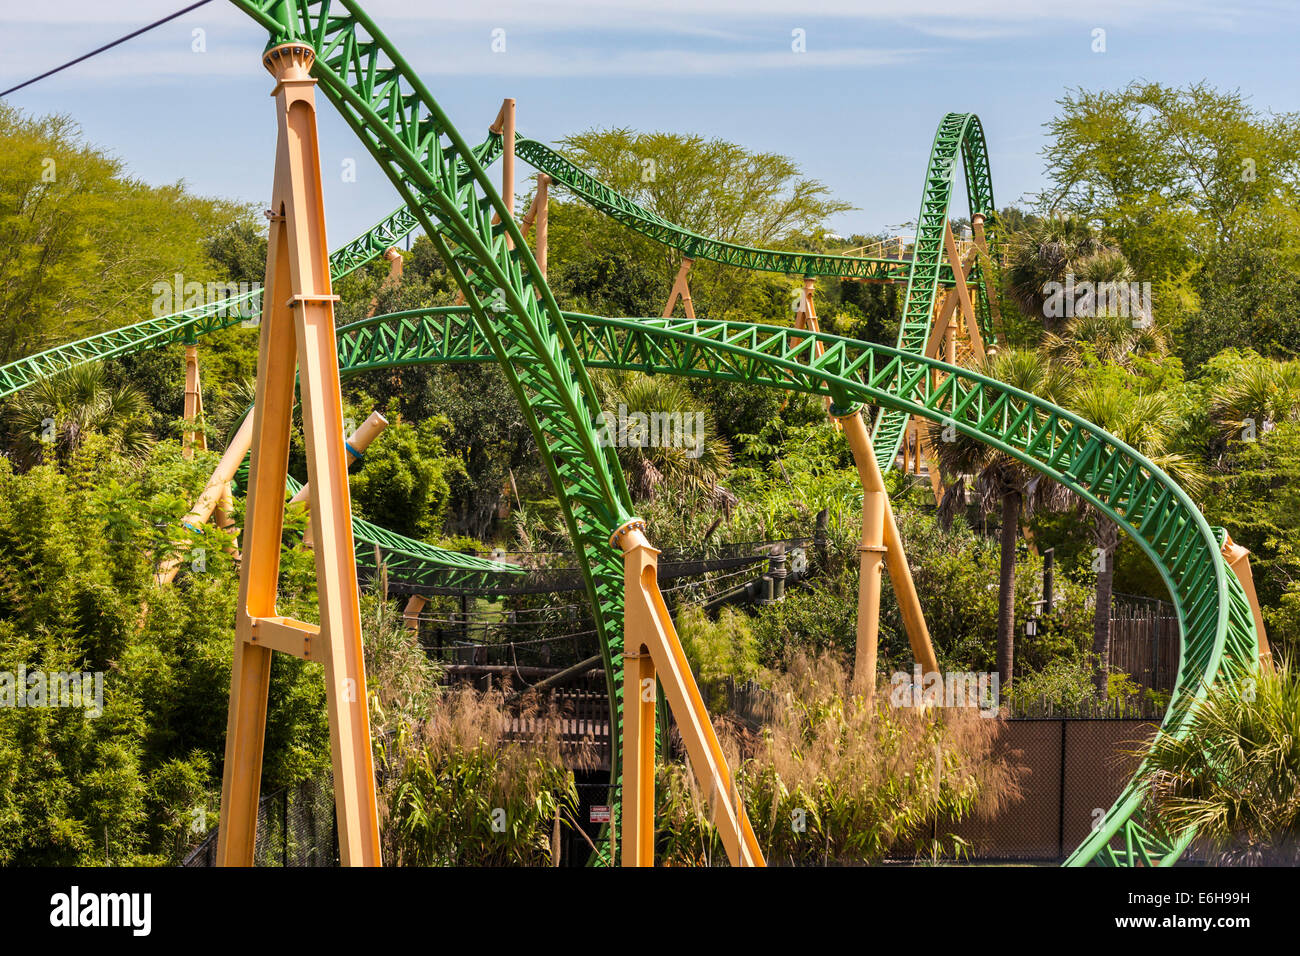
(414, 562)
(187, 325)
(614, 204)
(1219, 643)
(958, 133)
(960, 136)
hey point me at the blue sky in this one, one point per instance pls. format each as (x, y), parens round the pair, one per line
(857, 110)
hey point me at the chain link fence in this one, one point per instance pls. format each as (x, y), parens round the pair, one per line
(295, 827)
(1075, 768)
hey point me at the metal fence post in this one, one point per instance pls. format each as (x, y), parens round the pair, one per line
(1060, 813)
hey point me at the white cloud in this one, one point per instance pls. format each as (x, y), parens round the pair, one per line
(659, 62)
(666, 15)
(583, 37)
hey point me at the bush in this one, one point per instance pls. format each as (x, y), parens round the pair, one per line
(1061, 684)
(718, 649)
(818, 619)
(1235, 774)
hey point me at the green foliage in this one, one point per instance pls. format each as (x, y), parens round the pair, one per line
(666, 441)
(1063, 683)
(463, 796)
(401, 679)
(54, 417)
(718, 649)
(403, 483)
(811, 620)
(1247, 292)
(1235, 774)
(712, 187)
(86, 242)
(77, 595)
(600, 268)
(1171, 171)
(1258, 501)
(488, 435)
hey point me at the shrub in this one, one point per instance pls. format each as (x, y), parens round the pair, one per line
(1235, 774)
(818, 619)
(718, 649)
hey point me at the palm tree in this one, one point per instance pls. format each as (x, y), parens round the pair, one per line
(1050, 249)
(56, 415)
(1258, 395)
(1146, 422)
(1001, 483)
(1233, 776)
(1106, 339)
(666, 438)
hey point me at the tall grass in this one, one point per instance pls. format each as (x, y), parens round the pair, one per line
(463, 793)
(836, 779)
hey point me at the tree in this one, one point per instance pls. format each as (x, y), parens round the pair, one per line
(666, 438)
(1104, 339)
(1248, 292)
(402, 484)
(1257, 397)
(712, 187)
(1045, 251)
(1251, 435)
(81, 243)
(1001, 483)
(1175, 173)
(1146, 422)
(53, 417)
(132, 781)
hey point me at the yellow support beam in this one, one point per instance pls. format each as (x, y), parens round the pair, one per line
(297, 334)
(681, 290)
(193, 405)
(881, 547)
(652, 650)
(1238, 559)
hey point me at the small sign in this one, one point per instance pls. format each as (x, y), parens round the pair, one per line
(599, 815)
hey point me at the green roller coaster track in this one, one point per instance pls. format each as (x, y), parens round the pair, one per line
(511, 318)
(1219, 640)
(925, 274)
(694, 246)
(414, 562)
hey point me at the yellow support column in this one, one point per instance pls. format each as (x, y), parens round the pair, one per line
(504, 126)
(881, 545)
(990, 291)
(1238, 559)
(356, 446)
(298, 332)
(411, 613)
(214, 494)
(652, 649)
(963, 289)
(638, 804)
(193, 404)
(681, 290)
(543, 200)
